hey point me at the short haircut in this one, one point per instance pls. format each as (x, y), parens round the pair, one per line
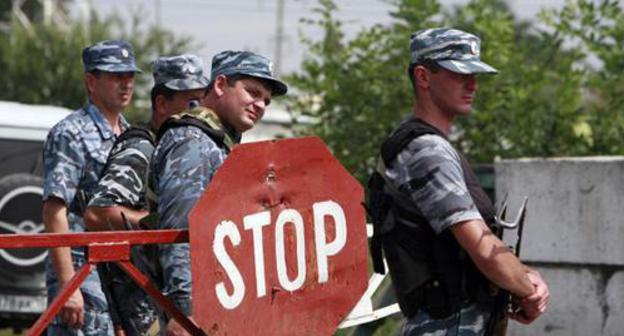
(161, 90)
(95, 72)
(431, 65)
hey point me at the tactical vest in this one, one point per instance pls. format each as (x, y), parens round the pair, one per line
(208, 122)
(428, 271)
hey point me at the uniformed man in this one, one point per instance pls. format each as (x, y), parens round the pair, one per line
(74, 154)
(432, 219)
(118, 202)
(189, 153)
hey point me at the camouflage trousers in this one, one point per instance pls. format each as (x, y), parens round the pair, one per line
(97, 321)
(471, 320)
(131, 307)
(95, 324)
(135, 309)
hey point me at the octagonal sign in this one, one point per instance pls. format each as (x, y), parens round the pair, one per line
(278, 242)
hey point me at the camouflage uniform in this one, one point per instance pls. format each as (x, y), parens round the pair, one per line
(432, 164)
(185, 161)
(124, 183)
(74, 154)
(429, 171)
(470, 321)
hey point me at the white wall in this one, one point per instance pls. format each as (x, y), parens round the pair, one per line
(574, 234)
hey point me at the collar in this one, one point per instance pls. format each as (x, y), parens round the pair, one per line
(103, 126)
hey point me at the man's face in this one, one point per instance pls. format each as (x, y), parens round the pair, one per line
(165, 107)
(243, 104)
(451, 92)
(111, 91)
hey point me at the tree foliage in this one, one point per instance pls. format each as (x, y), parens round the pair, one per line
(549, 98)
(596, 31)
(43, 65)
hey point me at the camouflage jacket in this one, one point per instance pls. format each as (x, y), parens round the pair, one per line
(184, 162)
(124, 179)
(429, 171)
(74, 155)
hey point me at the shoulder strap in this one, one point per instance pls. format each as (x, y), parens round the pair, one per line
(402, 136)
(204, 119)
(132, 132)
(136, 132)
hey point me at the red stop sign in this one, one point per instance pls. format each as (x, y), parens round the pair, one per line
(278, 242)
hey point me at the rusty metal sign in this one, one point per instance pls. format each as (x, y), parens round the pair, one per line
(278, 242)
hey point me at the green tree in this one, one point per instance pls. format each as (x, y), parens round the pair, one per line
(531, 108)
(559, 91)
(596, 30)
(357, 90)
(32, 8)
(44, 66)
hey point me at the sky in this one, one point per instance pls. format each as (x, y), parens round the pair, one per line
(218, 25)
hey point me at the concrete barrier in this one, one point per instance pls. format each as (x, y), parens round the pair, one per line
(574, 235)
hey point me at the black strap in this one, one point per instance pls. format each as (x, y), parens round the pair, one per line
(218, 136)
(130, 133)
(136, 132)
(408, 131)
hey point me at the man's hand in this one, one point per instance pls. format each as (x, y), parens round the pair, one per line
(534, 305)
(72, 312)
(175, 329)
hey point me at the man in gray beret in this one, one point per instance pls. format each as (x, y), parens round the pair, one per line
(118, 201)
(74, 155)
(432, 220)
(194, 144)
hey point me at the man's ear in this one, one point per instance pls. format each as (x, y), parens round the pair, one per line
(160, 105)
(90, 82)
(219, 85)
(421, 76)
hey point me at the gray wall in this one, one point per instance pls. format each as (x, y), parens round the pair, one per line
(574, 235)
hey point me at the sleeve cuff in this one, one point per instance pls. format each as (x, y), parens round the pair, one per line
(54, 193)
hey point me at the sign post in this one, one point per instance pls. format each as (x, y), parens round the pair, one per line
(278, 242)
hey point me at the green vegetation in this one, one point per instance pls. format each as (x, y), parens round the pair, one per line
(42, 64)
(559, 91)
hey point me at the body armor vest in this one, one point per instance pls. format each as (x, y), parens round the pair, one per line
(428, 270)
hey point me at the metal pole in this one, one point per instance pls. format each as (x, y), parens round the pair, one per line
(279, 38)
